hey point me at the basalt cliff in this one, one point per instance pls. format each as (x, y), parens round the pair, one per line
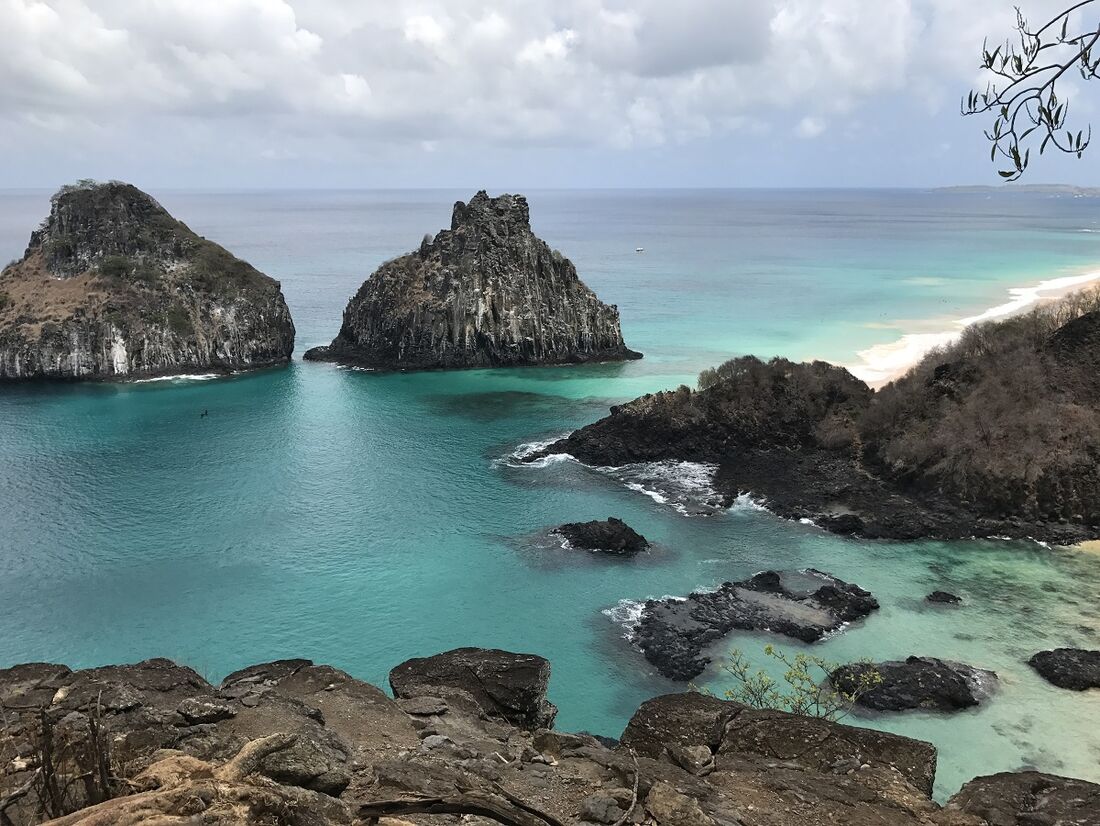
(485, 293)
(467, 738)
(113, 287)
(997, 435)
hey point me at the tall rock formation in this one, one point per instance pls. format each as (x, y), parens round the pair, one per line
(485, 293)
(112, 286)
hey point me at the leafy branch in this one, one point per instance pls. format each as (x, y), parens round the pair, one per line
(1023, 95)
(805, 689)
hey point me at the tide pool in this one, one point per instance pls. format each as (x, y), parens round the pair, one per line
(362, 519)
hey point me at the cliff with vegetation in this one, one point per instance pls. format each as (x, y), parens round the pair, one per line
(468, 737)
(996, 435)
(112, 286)
(485, 293)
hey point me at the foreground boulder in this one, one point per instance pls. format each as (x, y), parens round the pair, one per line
(112, 286)
(1072, 668)
(924, 683)
(612, 536)
(505, 685)
(674, 633)
(1028, 799)
(485, 293)
(155, 743)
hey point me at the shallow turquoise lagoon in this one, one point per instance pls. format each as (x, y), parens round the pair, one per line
(361, 519)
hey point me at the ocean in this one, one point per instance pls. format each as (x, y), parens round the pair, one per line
(361, 519)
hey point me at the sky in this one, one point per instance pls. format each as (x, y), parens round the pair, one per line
(505, 93)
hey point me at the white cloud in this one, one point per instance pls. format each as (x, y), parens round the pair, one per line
(621, 73)
(810, 127)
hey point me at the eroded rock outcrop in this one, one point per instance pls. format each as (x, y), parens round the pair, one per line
(485, 293)
(176, 749)
(611, 536)
(925, 683)
(113, 287)
(675, 633)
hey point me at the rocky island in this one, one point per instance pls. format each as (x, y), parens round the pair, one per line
(485, 293)
(113, 287)
(468, 739)
(997, 435)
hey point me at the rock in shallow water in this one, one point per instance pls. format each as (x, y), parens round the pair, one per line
(485, 293)
(1074, 668)
(112, 286)
(611, 536)
(943, 597)
(673, 633)
(915, 683)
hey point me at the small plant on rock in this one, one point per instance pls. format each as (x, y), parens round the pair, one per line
(805, 687)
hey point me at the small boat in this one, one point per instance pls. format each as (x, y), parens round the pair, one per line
(639, 249)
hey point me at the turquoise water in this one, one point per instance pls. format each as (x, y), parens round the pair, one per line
(361, 519)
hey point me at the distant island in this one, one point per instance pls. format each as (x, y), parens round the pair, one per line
(1035, 189)
(113, 287)
(485, 293)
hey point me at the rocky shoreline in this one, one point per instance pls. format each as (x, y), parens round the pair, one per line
(468, 739)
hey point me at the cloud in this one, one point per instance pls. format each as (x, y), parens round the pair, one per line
(568, 73)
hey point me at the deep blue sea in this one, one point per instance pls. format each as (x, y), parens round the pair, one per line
(361, 519)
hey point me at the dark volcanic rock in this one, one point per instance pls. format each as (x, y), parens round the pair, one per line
(674, 633)
(1072, 668)
(728, 729)
(916, 683)
(485, 293)
(507, 685)
(1029, 799)
(610, 536)
(112, 286)
(943, 597)
(811, 441)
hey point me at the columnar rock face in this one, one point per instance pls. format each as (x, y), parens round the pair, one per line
(485, 293)
(112, 286)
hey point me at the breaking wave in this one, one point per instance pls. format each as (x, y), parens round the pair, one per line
(686, 487)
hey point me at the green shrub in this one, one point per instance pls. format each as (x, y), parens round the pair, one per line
(115, 266)
(805, 688)
(179, 320)
(5, 301)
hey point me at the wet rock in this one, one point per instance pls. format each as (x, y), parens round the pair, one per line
(673, 633)
(612, 536)
(505, 685)
(943, 597)
(1029, 799)
(915, 683)
(1074, 668)
(485, 293)
(112, 287)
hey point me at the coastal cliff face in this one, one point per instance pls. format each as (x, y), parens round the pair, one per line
(485, 293)
(112, 286)
(291, 742)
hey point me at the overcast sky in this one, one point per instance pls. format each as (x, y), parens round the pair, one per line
(502, 93)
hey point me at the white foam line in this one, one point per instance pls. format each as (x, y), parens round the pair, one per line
(882, 363)
(183, 377)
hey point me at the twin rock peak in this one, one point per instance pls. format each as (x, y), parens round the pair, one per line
(113, 287)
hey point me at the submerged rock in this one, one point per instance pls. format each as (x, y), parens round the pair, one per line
(1074, 668)
(923, 683)
(485, 293)
(673, 633)
(112, 286)
(611, 536)
(943, 597)
(506, 685)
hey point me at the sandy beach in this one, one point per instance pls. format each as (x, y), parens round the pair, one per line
(882, 363)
